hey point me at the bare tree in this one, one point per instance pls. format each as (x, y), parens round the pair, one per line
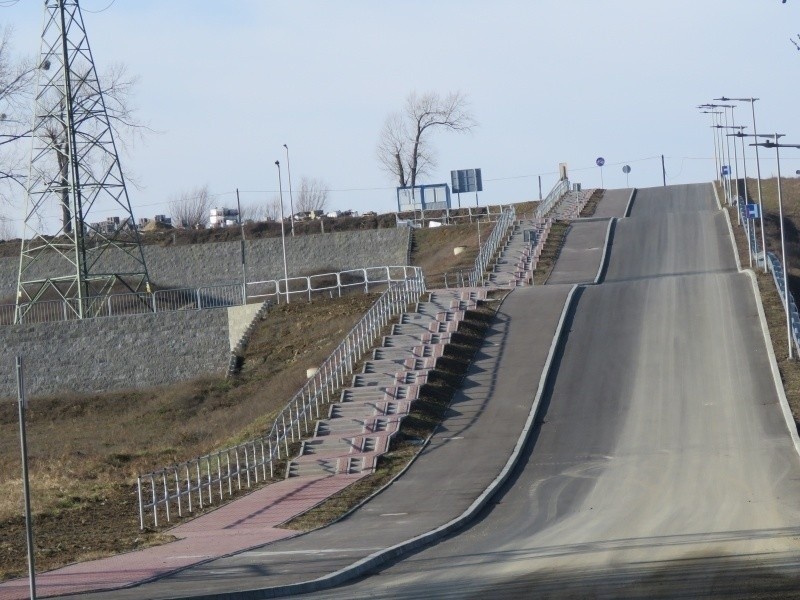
(311, 195)
(404, 148)
(16, 79)
(191, 209)
(272, 209)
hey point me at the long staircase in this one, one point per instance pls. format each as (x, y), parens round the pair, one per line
(360, 426)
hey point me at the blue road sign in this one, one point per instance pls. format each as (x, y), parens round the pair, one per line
(753, 211)
(726, 170)
(600, 161)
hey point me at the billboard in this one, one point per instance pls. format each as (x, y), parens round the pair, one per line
(466, 180)
(423, 197)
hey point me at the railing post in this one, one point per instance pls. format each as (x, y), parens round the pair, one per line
(141, 507)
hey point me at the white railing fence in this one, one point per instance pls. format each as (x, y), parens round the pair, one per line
(776, 268)
(216, 296)
(546, 205)
(489, 248)
(328, 284)
(207, 479)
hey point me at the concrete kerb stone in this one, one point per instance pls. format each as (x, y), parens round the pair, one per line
(629, 207)
(773, 362)
(372, 561)
(606, 250)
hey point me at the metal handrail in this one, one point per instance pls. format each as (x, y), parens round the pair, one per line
(216, 296)
(546, 205)
(208, 477)
(489, 248)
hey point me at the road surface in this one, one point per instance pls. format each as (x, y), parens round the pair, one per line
(663, 466)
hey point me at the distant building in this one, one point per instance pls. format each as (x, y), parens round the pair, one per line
(224, 217)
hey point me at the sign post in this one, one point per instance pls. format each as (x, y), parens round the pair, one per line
(600, 162)
(626, 169)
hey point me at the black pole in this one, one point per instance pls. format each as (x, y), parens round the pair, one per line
(663, 171)
(540, 188)
(244, 262)
(25, 483)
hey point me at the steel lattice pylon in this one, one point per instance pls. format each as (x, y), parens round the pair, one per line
(74, 179)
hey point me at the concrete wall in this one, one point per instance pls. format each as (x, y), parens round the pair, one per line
(144, 350)
(220, 263)
(114, 353)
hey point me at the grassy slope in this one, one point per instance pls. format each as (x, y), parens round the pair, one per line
(85, 450)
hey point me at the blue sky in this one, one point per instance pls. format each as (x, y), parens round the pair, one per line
(226, 84)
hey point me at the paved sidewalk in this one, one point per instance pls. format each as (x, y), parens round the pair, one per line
(458, 464)
(248, 522)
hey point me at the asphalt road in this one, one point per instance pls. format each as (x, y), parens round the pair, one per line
(662, 467)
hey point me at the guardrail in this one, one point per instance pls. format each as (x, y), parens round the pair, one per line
(452, 216)
(546, 205)
(206, 479)
(217, 296)
(489, 248)
(776, 268)
(328, 283)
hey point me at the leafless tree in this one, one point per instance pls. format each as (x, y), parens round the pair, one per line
(272, 209)
(16, 79)
(312, 194)
(404, 148)
(191, 209)
(17, 87)
(6, 228)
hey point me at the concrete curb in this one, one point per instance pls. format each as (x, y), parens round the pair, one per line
(762, 318)
(733, 240)
(773, 363)
(629, 207)
(374, 560)
(716, 195)
(612, 223)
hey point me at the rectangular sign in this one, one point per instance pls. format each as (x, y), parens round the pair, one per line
(753, 211)
(466, 180)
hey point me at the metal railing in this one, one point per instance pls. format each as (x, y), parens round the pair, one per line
(776, 268)
(546, 205)
(328, 283)
(208, 478)
(217, 296)
(489, 248)
(452, 216)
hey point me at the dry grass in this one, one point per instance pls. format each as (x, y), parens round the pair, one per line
(550, 252)
(85, 450)
(591, 204)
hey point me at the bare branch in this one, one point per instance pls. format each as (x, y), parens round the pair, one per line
(191, 209)
(311, 195)
(404, 150)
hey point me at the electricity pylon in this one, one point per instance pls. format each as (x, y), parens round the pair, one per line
(80, 242)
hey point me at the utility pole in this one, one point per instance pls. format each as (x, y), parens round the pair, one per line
(69, 251)
(26, 488)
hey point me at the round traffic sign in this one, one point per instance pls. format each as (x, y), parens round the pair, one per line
(600, 161)
(626, 169)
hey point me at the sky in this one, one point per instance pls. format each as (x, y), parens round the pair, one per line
(225, 84)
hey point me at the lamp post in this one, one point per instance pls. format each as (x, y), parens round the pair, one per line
(736, 167)
(716, 159)
(724, 146)
(774, 144)
(291, 197)
(742, 135)
(752, 102)
(750, 240)
(283, 237)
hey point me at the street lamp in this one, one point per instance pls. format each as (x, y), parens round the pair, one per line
(713, 122)
(752, 102)
(283, 237)
(774, 144)
(751, 241)
(723, 145)
(291, 197)
(741, 136)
